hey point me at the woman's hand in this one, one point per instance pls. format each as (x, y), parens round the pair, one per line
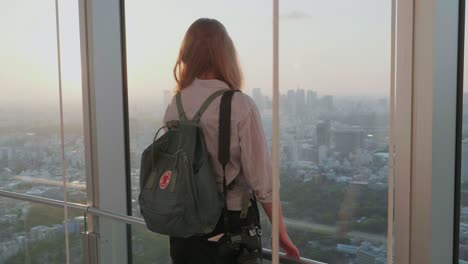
(285, 242)
(288, 246)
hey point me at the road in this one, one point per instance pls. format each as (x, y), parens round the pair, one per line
(331, 230)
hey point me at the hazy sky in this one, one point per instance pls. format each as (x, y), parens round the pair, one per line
(337, 47)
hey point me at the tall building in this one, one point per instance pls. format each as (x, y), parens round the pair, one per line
(311, 99)
(291, 102)
(322, 154)
(300, 101)
(326, 103)
(267, 103)
(323, 133)
(348, 140)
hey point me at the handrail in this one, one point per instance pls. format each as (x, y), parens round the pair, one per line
(126, 219)
(131, 220)
(289, 260)
(41, 200)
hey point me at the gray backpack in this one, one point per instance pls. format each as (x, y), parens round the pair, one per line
(179, 196)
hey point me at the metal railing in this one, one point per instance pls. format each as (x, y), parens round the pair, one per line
(126, 219)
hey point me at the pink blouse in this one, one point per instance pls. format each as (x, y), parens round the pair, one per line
(250, 162)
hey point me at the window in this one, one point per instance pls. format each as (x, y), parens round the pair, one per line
(30, 131)
(334, 85)
(35, 233)
(30, 146)
(334, 135)
(151, 57)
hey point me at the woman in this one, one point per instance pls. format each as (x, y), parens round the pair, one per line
(207, 62)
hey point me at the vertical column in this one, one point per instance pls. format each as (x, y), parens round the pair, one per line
(433, 130)
(275, 149)
(391, 145)
(459, 131)
(103, 86)
(402, 130)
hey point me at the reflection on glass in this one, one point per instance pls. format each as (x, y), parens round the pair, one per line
(334, 85)
(35, 233)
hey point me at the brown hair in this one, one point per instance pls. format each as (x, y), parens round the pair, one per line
(206, 48)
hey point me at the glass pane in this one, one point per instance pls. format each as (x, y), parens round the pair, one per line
(30, 153)
(30, 146)
(144, 249)
(35, 233)
(334, 85)
(151, 58)
(72, 101)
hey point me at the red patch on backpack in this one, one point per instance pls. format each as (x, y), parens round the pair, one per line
(165, 179)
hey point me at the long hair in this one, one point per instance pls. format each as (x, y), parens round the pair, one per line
(207, 47)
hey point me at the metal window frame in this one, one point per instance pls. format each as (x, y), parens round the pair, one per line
(104, 104)
(426, 85)
(86, 71)
(459, 130)
(391, 146)
(128, 181)
(276, 137)
(435, 63)
(402, 129)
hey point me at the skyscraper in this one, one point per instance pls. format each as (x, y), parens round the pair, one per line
(326, 103)
(291, 105)
(323, 133)
(300, 100)
(311, 98)
(348, 140)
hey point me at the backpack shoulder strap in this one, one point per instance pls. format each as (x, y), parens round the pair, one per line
(180, 108)
(207, 103)
(224, 141)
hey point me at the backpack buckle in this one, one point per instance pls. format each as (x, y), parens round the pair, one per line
(172, 124)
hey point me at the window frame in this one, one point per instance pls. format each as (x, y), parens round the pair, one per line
(428, 83)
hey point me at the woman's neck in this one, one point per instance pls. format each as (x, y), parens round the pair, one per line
(207, 76)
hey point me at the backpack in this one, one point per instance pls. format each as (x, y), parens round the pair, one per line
(179, 196)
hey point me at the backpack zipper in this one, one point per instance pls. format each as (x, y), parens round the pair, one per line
(173, 181)
(149, 184)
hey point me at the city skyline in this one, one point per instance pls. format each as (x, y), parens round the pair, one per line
(359, 55)
(335, 159)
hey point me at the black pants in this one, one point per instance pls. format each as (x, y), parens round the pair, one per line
(198, 250)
